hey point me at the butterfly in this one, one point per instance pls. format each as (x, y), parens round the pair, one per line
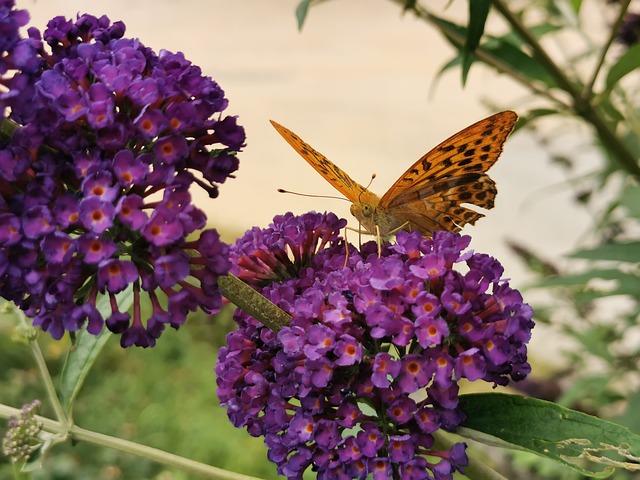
(430, 195)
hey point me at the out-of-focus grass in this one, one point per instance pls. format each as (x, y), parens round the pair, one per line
(162, 396)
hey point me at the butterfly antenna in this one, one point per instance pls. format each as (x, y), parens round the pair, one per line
(373, 176)
(282, 190)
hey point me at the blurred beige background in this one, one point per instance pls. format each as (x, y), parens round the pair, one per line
(356, 84)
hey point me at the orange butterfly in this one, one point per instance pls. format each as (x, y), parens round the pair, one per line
(428, 196)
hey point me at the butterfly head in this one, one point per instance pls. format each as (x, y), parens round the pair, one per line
(364, 209)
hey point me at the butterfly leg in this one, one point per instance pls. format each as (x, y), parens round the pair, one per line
(360, 232)
(346, 247)
(397, 229)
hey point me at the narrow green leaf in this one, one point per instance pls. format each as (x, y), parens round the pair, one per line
(537, 31)
(534, 114)
(576, 4)
(301, 12)
(501, 49)
(587, 444)
(621, 252)
(510, 54)
(627, 63)
(597, 387)
(541, 30)
(436, 78)
(450, 30)
(597, 339)
(478, 12)
(623, 283)
(86, 350)
(630, 199)
(630, 417)
(409, 5)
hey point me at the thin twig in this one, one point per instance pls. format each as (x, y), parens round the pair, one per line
(581, 106)
(588, 91)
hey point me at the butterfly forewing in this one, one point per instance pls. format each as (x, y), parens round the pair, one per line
(431, 194)
(461, 159)
(325, 167)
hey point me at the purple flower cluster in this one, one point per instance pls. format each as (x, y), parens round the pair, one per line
(95, 179)
(368, 369)
(629, 33)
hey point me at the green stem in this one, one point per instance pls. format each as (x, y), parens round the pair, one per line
(48, 383)
(249, 300)
(540, 53)
(581, 106)
(44, 373)
(588, 91)
(165, 458)
(491, 60)
(476, 470)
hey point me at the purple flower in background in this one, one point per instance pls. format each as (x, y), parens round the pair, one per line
(368, 367)
(94, 184)
(629, 33)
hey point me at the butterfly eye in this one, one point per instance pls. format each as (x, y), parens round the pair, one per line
(367, 210)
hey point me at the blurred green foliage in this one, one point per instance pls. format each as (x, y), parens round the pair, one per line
(163, 397)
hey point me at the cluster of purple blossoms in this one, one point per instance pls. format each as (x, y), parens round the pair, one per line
(95, 179)
(629, 33)
(368, 369)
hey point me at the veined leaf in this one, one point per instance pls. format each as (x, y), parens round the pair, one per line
(587, 444)
(503, 51)
(627, 63)
(478, 12)
(301, 12)
(625, 283)
(532, 115)
(86, 350)
(630, 199)
(621, 252)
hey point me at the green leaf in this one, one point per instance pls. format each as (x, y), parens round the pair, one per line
(478, 12)
(454, 62)
(627, 63)
(587, 444)
(301, 12)
(630, 199)
(630, 417)
(596, 340)
(508, 53)
(501, 49)
(595, 388)
(86, 350)
(534, 114)
(541, 30)
(451, 31)
(409, 5)
(624, 283)
(621, 252)
(576, 4)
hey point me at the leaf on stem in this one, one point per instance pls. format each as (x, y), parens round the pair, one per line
(301, 12)
(86, 350)
(627, 63)
(478, 12)
(587, 444)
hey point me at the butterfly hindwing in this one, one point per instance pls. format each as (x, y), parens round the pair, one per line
(325, 167)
